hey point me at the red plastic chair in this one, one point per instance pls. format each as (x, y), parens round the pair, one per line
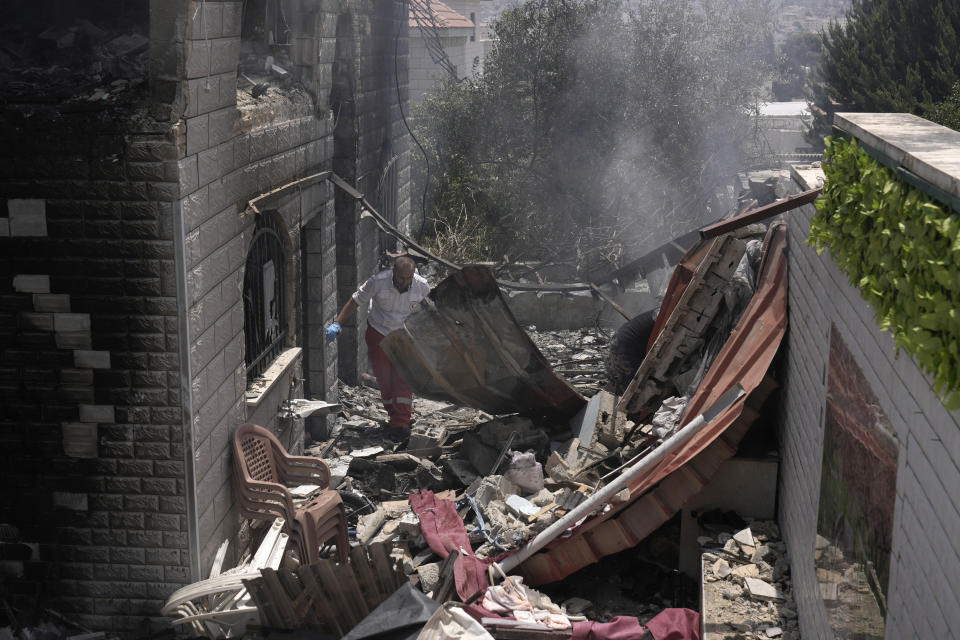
(263, 470)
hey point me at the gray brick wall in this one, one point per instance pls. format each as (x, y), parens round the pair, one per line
(92, 438)
(369, 133)
(230, 156)
(123, 241)
(925, 561)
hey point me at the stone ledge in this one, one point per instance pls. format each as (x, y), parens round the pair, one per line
(924, 148)
(255, 394)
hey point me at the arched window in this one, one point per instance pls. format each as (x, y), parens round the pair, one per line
(265, 295)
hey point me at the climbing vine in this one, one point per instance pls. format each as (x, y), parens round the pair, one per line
(902, 250)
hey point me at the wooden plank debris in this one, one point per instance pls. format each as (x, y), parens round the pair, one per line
(327, 596)
(683, 332)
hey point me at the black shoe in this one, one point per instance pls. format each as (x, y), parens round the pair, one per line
(397, 434)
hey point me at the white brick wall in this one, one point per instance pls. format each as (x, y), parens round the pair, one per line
(925, 560)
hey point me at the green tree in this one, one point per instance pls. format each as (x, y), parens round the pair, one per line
(887, 56)
(795, 58)
(594, 127)
(947, 111)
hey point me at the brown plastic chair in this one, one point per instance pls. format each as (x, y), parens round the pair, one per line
(262, 470)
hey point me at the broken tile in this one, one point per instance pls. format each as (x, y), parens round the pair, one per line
(745, 537)
(760, 590)
(521, 506)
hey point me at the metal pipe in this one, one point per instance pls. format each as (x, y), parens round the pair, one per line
(586, 507)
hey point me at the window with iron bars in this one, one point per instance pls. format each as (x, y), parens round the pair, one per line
(265, 318)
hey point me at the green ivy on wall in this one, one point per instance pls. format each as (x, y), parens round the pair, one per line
(902, 250)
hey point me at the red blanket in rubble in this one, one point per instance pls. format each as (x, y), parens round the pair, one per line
(444, 532)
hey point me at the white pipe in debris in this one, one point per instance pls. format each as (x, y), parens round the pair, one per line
(669, 445)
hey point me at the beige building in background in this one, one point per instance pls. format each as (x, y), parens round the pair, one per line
(462, 38)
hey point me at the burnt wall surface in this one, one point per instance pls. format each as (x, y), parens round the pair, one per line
(924, 583)
(371, 149)
(125, 238)
(92, 449)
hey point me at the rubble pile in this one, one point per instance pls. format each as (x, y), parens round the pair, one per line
(71, 65)
(577, 355)
(747, 590)
(468, 496)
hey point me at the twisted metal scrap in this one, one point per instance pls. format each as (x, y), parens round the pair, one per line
(428, 23)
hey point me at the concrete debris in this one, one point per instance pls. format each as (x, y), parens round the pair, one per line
(721, 568)
(751, 593)
(73, 66)
(511, 477)
(745, 537)
(521, 506)
(761, 590)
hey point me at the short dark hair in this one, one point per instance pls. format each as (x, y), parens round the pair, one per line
(405, 261)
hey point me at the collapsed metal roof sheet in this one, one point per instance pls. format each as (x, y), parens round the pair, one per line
(463, 345)
(657, 495)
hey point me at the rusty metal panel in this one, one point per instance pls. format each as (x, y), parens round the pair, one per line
(463, 345)
(655, 496)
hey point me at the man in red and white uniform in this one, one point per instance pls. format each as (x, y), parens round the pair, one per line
(391, 296)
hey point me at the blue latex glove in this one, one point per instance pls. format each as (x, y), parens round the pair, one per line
(333, 331)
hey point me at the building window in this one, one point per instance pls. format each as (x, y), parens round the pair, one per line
(265, 312)
(473, 19)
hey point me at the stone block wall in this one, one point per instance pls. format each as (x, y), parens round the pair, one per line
(925, 559)
(91, 432)
(124, 233)
(370, 141)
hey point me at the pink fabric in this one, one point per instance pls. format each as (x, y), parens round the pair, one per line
(675, 624)
(619, 628)
(444, 531)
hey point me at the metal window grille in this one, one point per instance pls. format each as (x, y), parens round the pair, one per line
(264, 298)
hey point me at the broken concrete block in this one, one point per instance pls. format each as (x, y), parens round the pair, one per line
(369, 525)
(425, 440)
(429, 575)
(745, 537)
(409, 524)
(731, 546)
(395, 508)
(746, 571)
(760, 590)
(773, 632)
(721, 568)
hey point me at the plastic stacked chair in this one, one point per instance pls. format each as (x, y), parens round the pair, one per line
(262, 472)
